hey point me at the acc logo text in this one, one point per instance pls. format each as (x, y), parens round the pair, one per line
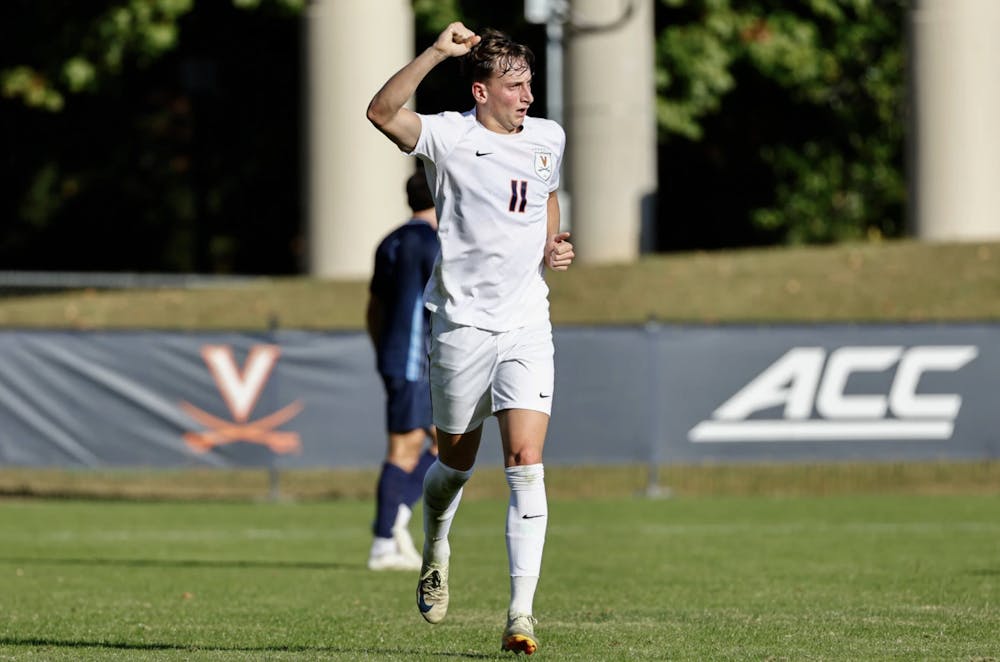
(800, 382)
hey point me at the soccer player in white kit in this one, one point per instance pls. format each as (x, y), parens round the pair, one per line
(493, 172)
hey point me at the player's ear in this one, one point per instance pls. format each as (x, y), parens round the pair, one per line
(479, 92)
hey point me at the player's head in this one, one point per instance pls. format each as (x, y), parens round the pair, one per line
(500, 70)
(496, 54)
(418, 194)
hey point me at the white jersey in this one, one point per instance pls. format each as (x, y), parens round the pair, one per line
(491, 192)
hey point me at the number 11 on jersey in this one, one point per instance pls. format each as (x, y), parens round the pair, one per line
(518, 195)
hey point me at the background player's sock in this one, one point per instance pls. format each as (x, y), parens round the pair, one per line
(527, 517)
(415, 479)
(391, 490)
(442, 494)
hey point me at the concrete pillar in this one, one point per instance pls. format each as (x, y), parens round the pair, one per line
(955, 159)
(611, 127)
(354, 177)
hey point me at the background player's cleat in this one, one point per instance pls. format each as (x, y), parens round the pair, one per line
(394, 560)
(406, 548)
(519, 636)
(432, 591)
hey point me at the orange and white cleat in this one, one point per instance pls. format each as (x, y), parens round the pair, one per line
(519, 637)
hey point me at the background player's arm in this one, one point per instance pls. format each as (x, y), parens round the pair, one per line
(401, 125)
(558, 252)
(375, 319)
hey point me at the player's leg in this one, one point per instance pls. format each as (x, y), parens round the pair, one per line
(415, 485)
(443, 489)
(442, 494)
(522, 391)
(462, 361)
(390, 550)
(423, 416)
(523, 434)
(419, 457)
(414, 492)
(392, 546)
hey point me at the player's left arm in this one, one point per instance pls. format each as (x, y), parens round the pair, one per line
(558, 251)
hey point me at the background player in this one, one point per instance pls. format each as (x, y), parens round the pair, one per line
(397, 323)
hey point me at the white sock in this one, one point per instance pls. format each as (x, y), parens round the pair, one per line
(527, 517)
(403, 514)
(522, 594)
(442, 494)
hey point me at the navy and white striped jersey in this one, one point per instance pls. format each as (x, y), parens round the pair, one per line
(403, 263)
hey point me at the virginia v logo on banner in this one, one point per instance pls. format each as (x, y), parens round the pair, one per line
(241, 391)
(803, 380)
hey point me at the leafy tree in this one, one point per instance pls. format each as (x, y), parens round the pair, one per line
(172, 126)
(810, 93)
(173, 154)
(86, 43)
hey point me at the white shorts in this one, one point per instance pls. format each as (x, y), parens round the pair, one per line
(475, 373)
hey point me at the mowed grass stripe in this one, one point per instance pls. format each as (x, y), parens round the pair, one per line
(818, 578)
(899, 281)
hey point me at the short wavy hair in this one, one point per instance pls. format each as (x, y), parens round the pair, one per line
(496, 52)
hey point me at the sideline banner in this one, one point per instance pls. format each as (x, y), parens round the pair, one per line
(840, 392)
(666, 394)
(174, 399)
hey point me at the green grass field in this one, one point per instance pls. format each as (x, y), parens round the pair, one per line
(895, 561)
(900, 281)
(876, 577)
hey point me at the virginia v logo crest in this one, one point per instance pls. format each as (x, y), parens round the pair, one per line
(241, 390)
(543, 165)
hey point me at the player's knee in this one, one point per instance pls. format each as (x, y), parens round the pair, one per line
(524, 457)
(405, 448)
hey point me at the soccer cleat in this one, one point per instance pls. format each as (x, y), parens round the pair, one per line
(432, 592)
(393, 561)
(519, 637)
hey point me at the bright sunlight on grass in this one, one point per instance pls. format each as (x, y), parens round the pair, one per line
(837, 578)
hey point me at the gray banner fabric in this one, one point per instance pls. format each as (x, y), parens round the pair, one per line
(838, 392)
(669, 394)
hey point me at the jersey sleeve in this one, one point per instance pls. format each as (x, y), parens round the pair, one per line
(560, 140)
(438, 135)
(381, 283)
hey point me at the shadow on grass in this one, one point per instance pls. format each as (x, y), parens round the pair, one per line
(986, 572)
(185, 563)
(161, 646)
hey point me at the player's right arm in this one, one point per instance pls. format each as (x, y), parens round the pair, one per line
(386, 109)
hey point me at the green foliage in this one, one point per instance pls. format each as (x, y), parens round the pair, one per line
(432, 16)
(836, 71)
(694, 72)
(779, 122)
(30, 86)
(95, 46)
(166, 125)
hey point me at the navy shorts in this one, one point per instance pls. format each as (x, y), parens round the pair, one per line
(407, 404)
